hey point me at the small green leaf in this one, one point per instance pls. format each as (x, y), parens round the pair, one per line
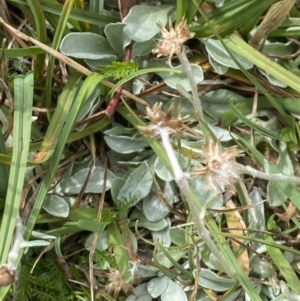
(283, 265)
(221, 69)
(271, 224)
(92, 225)
(117, 241)
(288, 135)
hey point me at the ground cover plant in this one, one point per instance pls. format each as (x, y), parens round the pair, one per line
(149, 150)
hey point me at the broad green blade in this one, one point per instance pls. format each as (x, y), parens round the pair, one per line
(283, 265)
(86, 89)
(4, 170)
(23, 98)
(240, 47)
(58, 120)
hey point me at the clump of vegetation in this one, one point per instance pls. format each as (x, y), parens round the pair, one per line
(149, 150)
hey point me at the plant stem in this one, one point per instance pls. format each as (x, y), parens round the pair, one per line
(187, 67)
(198, 217)
(113, 103)
(18, 240)
(271, 177)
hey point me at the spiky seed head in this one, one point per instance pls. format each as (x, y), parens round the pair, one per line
(172, 40)
(116, 284)
(220, 166)
(160, 119)
(7, 275)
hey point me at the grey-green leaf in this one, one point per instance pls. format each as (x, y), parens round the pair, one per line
(137, 186)
(221, 69)
(161, 171)
(207, 194)
(173, 292)
(177, 236)
(157, 226)
(124, 144)
(217, 51)
(116, 36)
(141, 294)
(162, 236)
(142, 48)
(210, 280)
(275, 194)
(273, 80)
(157, 286)
(74, 183)
(141, 21)
(86, 45)
(102, 241)
(172, 79)
(117, 184)
(56, 205)
(154, 208)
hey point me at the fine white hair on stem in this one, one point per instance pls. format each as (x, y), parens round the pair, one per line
(266, 176)
(181, 180)
(17, 245)
(187, 67)
(163, 126)
(8, 270)
(165, 138)
(172, 42)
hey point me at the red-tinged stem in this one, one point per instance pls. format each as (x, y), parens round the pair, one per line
(113, 103)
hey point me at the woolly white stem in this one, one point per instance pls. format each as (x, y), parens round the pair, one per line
(198, 218)
(179, 175)
(271, 177)
(286, 292)
(18, 240)
(188, 70)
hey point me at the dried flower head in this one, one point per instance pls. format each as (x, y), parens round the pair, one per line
(7, 275)
(117, 284)
(221, 169)
(160, 119)
(172, 40)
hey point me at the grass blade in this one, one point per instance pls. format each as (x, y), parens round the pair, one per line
(283, 265)
(77, 14)
(67, 8)
(87, 87)
(4, 169)
(23, 99)
(240, 47)
(59, 118)
(40, 27)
